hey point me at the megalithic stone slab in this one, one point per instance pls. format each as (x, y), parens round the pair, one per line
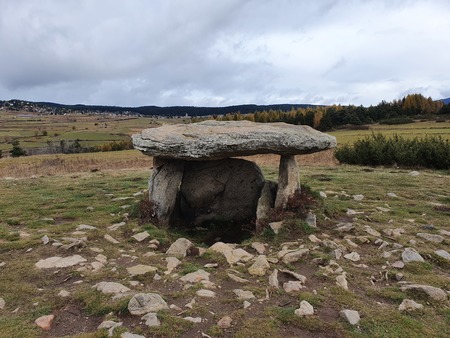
(211, 140)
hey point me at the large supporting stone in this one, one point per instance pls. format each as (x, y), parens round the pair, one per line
(288, 181)
(221, 190)
(163, 187)
(266, 201)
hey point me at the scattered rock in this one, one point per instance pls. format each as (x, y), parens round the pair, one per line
(45, 240)
(2, 303)
(276, 226)
(111, 287)
(244, 295)
(196, 276)
(350, 316)
(352, 256)
(172, 263)
(151, 319)
(322, 194)
(411, 255)
(352, 212)
(371, 231)
(305, 309)
(296, 275)
(259, 247)
(246, 304)
(292, 286)
(414, 173)
(382, 209)
(231, 254)
(225, 322)
(342, 282)
(110, 239)
(391, 195)
(398, 265)
(294, 256)
(237, 278)
(206, 293)
(60, 262)
(116, 226)
(63, 293)
(442, 253)
(143, 303)
(141, 236)
(311, 220)
(273, 279)
(358, 197)
(82, 227)
(141, 269)
(195, 320)
(110, 326)
(180, 248)
(260, 267)
(314, 239)
(431, 291)
(45, 322)
(430, 237)
(409, 305)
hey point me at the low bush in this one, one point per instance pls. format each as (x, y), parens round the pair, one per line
(429, 152)
(397, 120)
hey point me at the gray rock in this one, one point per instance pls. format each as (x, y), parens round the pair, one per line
(2, 303)
(141, 236)
(292, 286)
(342, 282)
(431, 291)
(430, 237)
(259, 247)
(111, 239)
(411, 255)
(45, 240)
(244, 295)
(358, 197)
(196, 276)
(266, 201)
(151, 319)
(222, 139)
(294, 256)
(172, 263)
(225, 322)
(143, 303)
(260, 267)
(350, 316)
(163, 186)
(296, 275)
(195, 320)
(398, 265)
(352, 256)
(304, 310)
(85, 227)
(110, 326)
(273, 279)
(141, 269)
(311, 220)
(414, 173)
(205, 293)
(111, 287)
(409, 305)
(222, 190)
(231, 254)
(180, 248)
(442, 253)
(288, 181)
(60, 262)
(276, 226)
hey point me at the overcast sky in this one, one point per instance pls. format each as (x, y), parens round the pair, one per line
(223, 52)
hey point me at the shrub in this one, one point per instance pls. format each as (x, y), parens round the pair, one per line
(429, 152)
(397, 120)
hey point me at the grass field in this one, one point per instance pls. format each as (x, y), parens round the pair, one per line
(55, 206)
(410, 130)
(94, 130)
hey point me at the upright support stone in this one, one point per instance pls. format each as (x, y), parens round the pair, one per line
(288, 180)
(265, 202)
(164, 186)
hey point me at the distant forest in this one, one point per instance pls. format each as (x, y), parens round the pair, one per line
(330, 117)
(320, 117)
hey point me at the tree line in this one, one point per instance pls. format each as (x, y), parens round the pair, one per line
(325, 118)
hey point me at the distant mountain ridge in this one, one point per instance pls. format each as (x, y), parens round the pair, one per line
(446, 101)
(58, 108)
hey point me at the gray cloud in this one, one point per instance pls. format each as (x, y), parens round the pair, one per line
(222, 52)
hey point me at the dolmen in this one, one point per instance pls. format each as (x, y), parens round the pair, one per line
(197, 180)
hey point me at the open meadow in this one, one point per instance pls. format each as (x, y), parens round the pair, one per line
(353, 259)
